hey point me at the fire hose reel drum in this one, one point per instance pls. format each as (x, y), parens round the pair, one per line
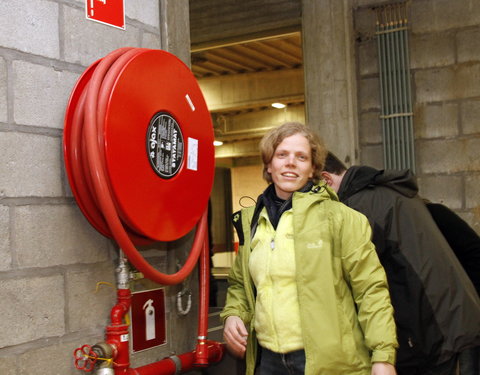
(156, 141)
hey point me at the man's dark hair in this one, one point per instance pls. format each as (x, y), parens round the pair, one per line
(334, 165)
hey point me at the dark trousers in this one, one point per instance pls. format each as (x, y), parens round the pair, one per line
(470, 361)
(445, 368)
(272, 363)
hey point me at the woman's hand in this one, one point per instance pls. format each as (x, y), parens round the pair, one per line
(235, 335)
(383, 368)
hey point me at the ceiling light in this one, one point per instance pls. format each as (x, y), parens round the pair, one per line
(217, 143)
(278, 105)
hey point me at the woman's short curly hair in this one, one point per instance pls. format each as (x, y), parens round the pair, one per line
(274, 137)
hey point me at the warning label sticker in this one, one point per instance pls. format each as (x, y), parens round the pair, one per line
(192, 162)
(165, 147)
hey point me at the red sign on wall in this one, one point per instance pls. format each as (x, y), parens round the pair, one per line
(148, 319)
(109, 12)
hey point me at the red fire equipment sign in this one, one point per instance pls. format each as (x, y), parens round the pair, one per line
(148, 319)
(109, 12)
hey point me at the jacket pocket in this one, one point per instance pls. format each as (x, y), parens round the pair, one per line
(352, 339)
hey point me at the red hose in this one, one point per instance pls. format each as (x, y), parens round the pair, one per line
(93, 113)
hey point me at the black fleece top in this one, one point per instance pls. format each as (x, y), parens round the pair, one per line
(274, 205)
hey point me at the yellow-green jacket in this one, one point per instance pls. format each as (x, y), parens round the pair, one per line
(345, 311)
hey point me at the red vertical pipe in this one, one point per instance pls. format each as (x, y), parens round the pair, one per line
(117, 332)
(124, 299)
(201, 357)
(117, 338)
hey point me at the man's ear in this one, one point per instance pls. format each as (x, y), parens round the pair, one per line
(327, 177)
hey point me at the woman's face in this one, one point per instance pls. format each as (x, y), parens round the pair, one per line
(291, 166)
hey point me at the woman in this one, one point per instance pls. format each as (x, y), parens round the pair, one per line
(307, 281)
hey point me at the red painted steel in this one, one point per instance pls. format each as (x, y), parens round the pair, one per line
(124, 300)
(109, 13)
(205, 353)
(106, 158)
(117, 335)
(167, 366)
(144, 198)
(125, 195)
(124, 92)
(201, 356)
(85, 358)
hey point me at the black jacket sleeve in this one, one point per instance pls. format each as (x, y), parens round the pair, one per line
(463, 240)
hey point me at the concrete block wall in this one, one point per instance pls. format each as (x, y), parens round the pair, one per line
(445, 71)
(50, 256)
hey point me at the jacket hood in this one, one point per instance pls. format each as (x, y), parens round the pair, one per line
(359, 178)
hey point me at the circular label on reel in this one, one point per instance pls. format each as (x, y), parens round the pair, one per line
(165, 147)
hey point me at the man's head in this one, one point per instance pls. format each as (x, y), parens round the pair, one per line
(333, 171)
(274, 137)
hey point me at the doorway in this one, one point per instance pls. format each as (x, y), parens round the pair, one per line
(246, 56)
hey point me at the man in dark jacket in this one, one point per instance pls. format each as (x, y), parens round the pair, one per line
(437, 309)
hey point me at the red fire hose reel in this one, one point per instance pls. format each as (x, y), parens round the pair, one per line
(138, 149)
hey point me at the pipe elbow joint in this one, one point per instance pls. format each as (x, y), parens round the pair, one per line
(121, 308)
(216, 350)
(201, 353)
(117, 314)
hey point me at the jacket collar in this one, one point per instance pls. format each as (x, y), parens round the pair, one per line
(275, 211)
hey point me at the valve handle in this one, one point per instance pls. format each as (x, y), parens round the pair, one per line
(85, 358)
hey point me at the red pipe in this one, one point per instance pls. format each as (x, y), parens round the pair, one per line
(187, 360)
(201, 357)
(124, 300)
(117, 331)
(117, 338)
(206, 352)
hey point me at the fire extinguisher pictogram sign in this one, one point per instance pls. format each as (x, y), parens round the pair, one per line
(148, 319)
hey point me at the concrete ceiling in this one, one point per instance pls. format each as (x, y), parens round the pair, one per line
(241, 80)
(267, 54)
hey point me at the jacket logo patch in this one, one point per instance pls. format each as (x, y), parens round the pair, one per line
(237, 223)
(315, 245)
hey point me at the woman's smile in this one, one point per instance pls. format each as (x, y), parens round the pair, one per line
(291, 166)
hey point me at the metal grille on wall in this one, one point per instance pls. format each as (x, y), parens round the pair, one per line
(395, 89)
